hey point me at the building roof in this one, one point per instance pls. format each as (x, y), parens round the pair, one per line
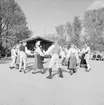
(37, 37)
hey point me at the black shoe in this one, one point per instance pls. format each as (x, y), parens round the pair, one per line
(42, 72)
(71, 72)
(33, 72)
(61, 76)
(50, 74)
(25, 72)
(60, 73)
(88, 70)
(11, 67)
(49, 77)
(20, 70)
(17, 67)
(74, 70)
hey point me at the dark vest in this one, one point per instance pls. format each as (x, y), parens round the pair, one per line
(22, 48)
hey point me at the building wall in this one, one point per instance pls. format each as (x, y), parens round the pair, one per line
(44, 43)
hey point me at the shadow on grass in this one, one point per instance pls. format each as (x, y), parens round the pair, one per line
(30, 67)
(57, 73)
(3, 61)
(40, 71)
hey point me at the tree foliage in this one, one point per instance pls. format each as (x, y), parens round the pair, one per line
(70, 33)
(77, 27)
(13, 25)
(94, 25)
(50, 36)
(68, 29)
(60, 30)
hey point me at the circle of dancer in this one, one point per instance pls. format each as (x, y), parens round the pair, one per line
(73, 58)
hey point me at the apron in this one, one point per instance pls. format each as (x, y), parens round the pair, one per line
(72, 61)
(38, 64)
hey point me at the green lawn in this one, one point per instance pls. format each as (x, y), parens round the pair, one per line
(82, 88)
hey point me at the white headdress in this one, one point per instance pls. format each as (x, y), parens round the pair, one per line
(38, 43)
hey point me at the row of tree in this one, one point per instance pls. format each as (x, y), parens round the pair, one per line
(88, 30)
(13, 25)
(70, 32)
(13, 28)
(94, 28)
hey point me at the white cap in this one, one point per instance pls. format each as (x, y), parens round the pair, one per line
(38, 43)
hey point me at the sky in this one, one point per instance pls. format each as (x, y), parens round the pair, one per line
(43, 15)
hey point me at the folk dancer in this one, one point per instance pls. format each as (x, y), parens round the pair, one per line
(87, 56)
(18, 57)
(72, 59)
(38, 55)
(23, 57)
(63, 54)
(78, 52)
(54, 51)
(82, 57)
(13, 56)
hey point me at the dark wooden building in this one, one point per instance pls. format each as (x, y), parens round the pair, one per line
(44, 42)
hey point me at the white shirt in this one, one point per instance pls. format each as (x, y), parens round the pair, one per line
(84, 50)
(13, 52)
(66, 51)
(62, 52)
(72, 50)
(48, 52)
(87, 50)
(38, 50)
(87, 56)
(27, 51)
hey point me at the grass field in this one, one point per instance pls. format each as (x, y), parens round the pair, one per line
(82, 88)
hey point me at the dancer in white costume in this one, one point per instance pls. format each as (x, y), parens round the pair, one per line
(23, 57)
(54, 51)
(38, 54)
(72, 59)
(64, 52)
(13, 56)
(87, 56)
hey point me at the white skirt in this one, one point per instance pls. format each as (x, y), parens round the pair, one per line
(22, 54)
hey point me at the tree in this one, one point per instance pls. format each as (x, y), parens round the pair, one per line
(50, 36)
(68, 29)
(60, 30)
(94, 26)
(13, 25)
(77, 27)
